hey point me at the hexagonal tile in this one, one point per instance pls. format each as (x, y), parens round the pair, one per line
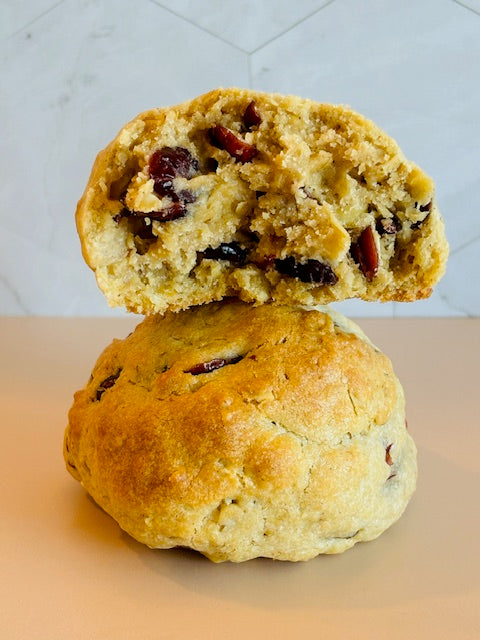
(407, 67)
(474, 5)
(85, 70)
(19, 15)
(248, 24)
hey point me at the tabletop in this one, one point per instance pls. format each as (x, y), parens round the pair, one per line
(68, 571)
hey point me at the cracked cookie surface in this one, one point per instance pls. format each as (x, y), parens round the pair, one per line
(262, 197)
(244, 431)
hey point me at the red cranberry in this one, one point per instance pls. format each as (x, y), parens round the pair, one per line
(107, 384)
(168, 163)
(211, 365)
(230, 251)
(311, 271)
(252, 117)
(172, 212)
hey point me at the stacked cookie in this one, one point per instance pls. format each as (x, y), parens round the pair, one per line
(244, 417)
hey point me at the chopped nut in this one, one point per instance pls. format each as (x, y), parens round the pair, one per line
(388, 457)
(365, 254)
(223, 138)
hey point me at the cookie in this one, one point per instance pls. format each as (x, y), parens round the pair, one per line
(262, 197)
(244, 431)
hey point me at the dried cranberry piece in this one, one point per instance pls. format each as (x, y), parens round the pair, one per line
(166, 164)
(172, 212)
(223, 138)
(252, 117)
(365, 254)
(178, 209)
(137, 223)
(211, 165)
(390, 226)
(124, 213)
(287, 266)
(310, 271)
(250, 236)
(211, 365)
(316, 271)
(107, 384)
(172, 161)
(418, 224)
(140, 228)
(230, 251)
(185, 196)
(424, 207)
(266, 262)
(162, 170)
(163, 188)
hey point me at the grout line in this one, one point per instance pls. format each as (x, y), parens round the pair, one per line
(198, 26)
(465, 6)
(224, 40)
(292, 26)
(465, 312)
(29, 24)
(465, 245)
(249, 70)
(15, 295)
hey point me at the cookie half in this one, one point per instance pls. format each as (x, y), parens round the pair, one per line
(262, 197)
(244, 431)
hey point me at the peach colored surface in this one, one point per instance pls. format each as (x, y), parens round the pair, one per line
(67, 571)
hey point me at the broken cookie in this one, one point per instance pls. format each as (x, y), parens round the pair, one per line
(318, 202)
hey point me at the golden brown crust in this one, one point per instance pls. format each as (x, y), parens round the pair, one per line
(281, 452)
(320, 176)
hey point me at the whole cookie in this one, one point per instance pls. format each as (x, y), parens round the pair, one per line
(243, 431)
(259, 196)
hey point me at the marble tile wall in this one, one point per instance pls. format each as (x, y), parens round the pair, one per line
(74, 71)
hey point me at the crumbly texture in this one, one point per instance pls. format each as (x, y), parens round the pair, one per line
(268, 198)
(244, 431)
